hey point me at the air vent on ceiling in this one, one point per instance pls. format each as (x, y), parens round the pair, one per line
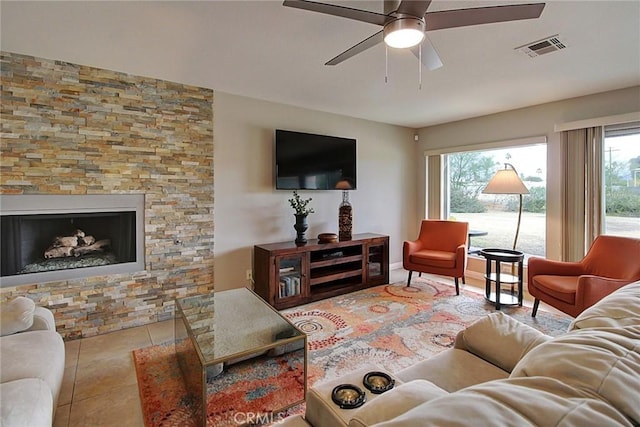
(540, 47)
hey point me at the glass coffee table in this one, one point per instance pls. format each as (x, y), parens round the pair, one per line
(241, 360)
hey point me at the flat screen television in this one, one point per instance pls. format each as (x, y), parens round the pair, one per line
(305, 161)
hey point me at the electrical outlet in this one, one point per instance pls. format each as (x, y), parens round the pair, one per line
(249, 275)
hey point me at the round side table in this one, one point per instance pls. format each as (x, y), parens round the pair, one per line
(500, 297)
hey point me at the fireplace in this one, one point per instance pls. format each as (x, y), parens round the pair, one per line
(46, 238)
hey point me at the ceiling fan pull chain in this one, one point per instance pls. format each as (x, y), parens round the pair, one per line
(420, 67)
(386, 64)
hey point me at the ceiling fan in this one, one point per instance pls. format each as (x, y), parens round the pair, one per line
(406, 22)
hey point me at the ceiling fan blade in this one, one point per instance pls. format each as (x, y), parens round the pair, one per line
(414, 8)
(342, 11)
(481, 15)
(360, 47)
(430, 57)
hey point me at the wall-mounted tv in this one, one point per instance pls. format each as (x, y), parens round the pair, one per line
(305, 161)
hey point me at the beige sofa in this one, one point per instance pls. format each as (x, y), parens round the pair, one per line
(32, 359)
(501, 372)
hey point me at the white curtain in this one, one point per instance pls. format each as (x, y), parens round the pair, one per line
(583, 207)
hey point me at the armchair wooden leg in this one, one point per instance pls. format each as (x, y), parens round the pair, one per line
(409, 279)
(457, 286)
(536, 303)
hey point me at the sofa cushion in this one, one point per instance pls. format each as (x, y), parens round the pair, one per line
(395, 402)
(618, 309)
(17, 315)
(499, 339)
(452, 370)
(603, 362)
(34, 354)
(26, 402)
(43, 320)
(513, 402)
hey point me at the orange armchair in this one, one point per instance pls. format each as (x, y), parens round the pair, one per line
(441, 248)
(572, 287)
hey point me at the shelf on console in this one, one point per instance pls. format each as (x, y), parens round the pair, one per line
(335, 261)
(334, 276)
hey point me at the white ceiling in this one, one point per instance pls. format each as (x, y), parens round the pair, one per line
(264, 50)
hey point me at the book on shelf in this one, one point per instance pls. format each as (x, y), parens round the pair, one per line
(336, 254)
(289, 286)
(296, 285)
(375, 268)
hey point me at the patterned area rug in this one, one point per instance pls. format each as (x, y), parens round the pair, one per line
(390, 325)
(395, 326)
(166, 401)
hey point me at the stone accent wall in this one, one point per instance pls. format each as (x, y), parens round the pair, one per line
(72, 129)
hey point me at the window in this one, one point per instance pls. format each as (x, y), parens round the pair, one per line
(467, 174)
(621, 177)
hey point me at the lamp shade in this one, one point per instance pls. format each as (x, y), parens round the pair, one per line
(344, 184)
(506, 181)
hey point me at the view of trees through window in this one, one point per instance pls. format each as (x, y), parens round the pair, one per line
(497, 214)
(621, 168)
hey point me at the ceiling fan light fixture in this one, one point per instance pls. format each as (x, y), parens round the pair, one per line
(404, 32)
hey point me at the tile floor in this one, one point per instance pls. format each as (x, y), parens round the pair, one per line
(100, 386)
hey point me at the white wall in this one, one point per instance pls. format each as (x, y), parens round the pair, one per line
(523, 123)
(249, 211)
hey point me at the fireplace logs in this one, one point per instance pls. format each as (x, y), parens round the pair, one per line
(76, 245)
(58, 252)
(69, 241)
(96, 247)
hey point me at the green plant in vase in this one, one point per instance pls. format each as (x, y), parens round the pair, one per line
(299, 205)
(302, 209)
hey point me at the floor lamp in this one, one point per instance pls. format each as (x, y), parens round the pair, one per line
(507, 181)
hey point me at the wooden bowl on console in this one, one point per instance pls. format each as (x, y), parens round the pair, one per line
(327, 238)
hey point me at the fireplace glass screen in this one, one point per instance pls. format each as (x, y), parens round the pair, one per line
(48, 242)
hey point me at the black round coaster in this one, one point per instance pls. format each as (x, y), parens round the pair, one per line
(348, 396)
(378, 382)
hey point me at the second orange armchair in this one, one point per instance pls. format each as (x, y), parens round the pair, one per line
(572, 287)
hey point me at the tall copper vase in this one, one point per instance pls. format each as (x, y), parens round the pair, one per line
(345, 218)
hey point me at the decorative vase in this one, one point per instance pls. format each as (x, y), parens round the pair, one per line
(301, 227)
(345, 218)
